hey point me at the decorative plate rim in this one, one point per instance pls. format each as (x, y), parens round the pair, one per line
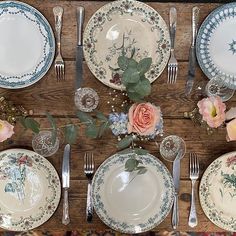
(170, 197)
(104, 9)
(57, 196)
(51, 52)
(202, 202)
(199, 36)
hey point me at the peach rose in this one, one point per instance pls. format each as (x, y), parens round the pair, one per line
(6, 130)
(231, 130)
(212, 110)
(143, 118)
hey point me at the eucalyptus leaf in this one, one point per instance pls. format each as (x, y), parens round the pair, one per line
(21, 119)
(132, 63)
(140, 151)
(134, 96)
(71, 133)
(103, 128)
(123, 62)
(32, 125)
(144, 65)
(125, 142)
(131, 164)
(101, 116)
(92, 131)
(84, 117)
(143, 87)
(130, 75)
(141, 170)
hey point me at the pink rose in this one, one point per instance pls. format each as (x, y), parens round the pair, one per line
(231, 130)
(143, 118)
(212, 110)
(6, 130)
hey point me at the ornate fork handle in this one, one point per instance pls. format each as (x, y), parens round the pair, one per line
(58, 12)
(89, 207)
(192, 221)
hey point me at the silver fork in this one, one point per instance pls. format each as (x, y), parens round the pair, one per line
(89, 171)
(172, 64)
(59, 63)
(193, 174)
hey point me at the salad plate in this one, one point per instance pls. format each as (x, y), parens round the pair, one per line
(27, 45)
(30, 190)
(125, 27)
(216, 44)
(128, 202)
(217, 191)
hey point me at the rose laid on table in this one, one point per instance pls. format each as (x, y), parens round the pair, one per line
(6, 130)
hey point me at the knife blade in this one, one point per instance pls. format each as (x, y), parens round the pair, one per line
(176, 179)
(79, 49)
(66, 183)
(192, 54)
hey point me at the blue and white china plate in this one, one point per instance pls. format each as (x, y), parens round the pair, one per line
(30, 190)
(217, 192)
(216, 44)
(122, 26)
(27, 45)
(128, 202)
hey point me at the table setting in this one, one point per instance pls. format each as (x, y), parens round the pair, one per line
(117, 115)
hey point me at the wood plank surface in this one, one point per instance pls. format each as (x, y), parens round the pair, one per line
(57, 98)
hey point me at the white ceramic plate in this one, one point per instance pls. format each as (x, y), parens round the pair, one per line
(129, 203)
(26, 45)
(129, 23)
(217, 192)
(30, 190)
(216, 44)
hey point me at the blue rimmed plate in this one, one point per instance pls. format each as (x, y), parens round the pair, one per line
(27, 45)
(216, 44)
(132, 203)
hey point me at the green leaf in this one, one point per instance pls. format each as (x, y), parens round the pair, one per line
(71, 133)
(92, 131)
(132, 63)
(132, 53)
(84, 117)
(101, 116)
(22, 121)
(140, 151)
(144, 65)
(131, 164)
(123, 62)
(141, 170)
(125, 142)
(130, 75)
(134, 96)
(32, 125)
(143, 87)
(103, 128)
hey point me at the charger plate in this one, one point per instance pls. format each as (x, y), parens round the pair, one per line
(217, 191)
(216, 44)
(132, 203)
(26, 45)
(125, 27)
(30, 190)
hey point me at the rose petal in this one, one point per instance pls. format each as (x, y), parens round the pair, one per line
(231, 113)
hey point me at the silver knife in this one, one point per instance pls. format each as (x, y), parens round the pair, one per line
(192, 56)
(176, 177)
(66, 184)
(79, 49)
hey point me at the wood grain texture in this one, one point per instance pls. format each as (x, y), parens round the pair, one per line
(57, 98)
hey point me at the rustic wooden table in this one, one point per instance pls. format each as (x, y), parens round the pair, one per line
(57, 98)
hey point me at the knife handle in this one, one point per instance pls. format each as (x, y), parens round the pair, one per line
(65, 216)
(58, 12)
(89, 207)
(195, 22)
(173, 21)
(175, 213)
(80, 22)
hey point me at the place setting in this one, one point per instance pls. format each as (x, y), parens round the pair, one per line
(126, 45)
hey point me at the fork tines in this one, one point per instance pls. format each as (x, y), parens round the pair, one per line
(194, 164)
(88, 163)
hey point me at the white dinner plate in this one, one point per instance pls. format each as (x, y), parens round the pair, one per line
(216, 44)
(133, 25)
(30, 190)
(26, 45)
(217, 191)
(129, 203)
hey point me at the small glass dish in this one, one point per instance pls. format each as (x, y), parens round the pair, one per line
(170, 147)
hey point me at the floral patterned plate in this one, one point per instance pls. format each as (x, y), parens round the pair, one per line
(26, 45)
(30, 190)
(216, 44)
(125, 26)
(217, 191)
(132, 203)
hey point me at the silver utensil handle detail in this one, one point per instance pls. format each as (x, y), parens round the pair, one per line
(89, 207)
(192, 221)
(80, 22)
(195, 22)
(175, 212)
(65, 216)
(173, 21)
(58, 12)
